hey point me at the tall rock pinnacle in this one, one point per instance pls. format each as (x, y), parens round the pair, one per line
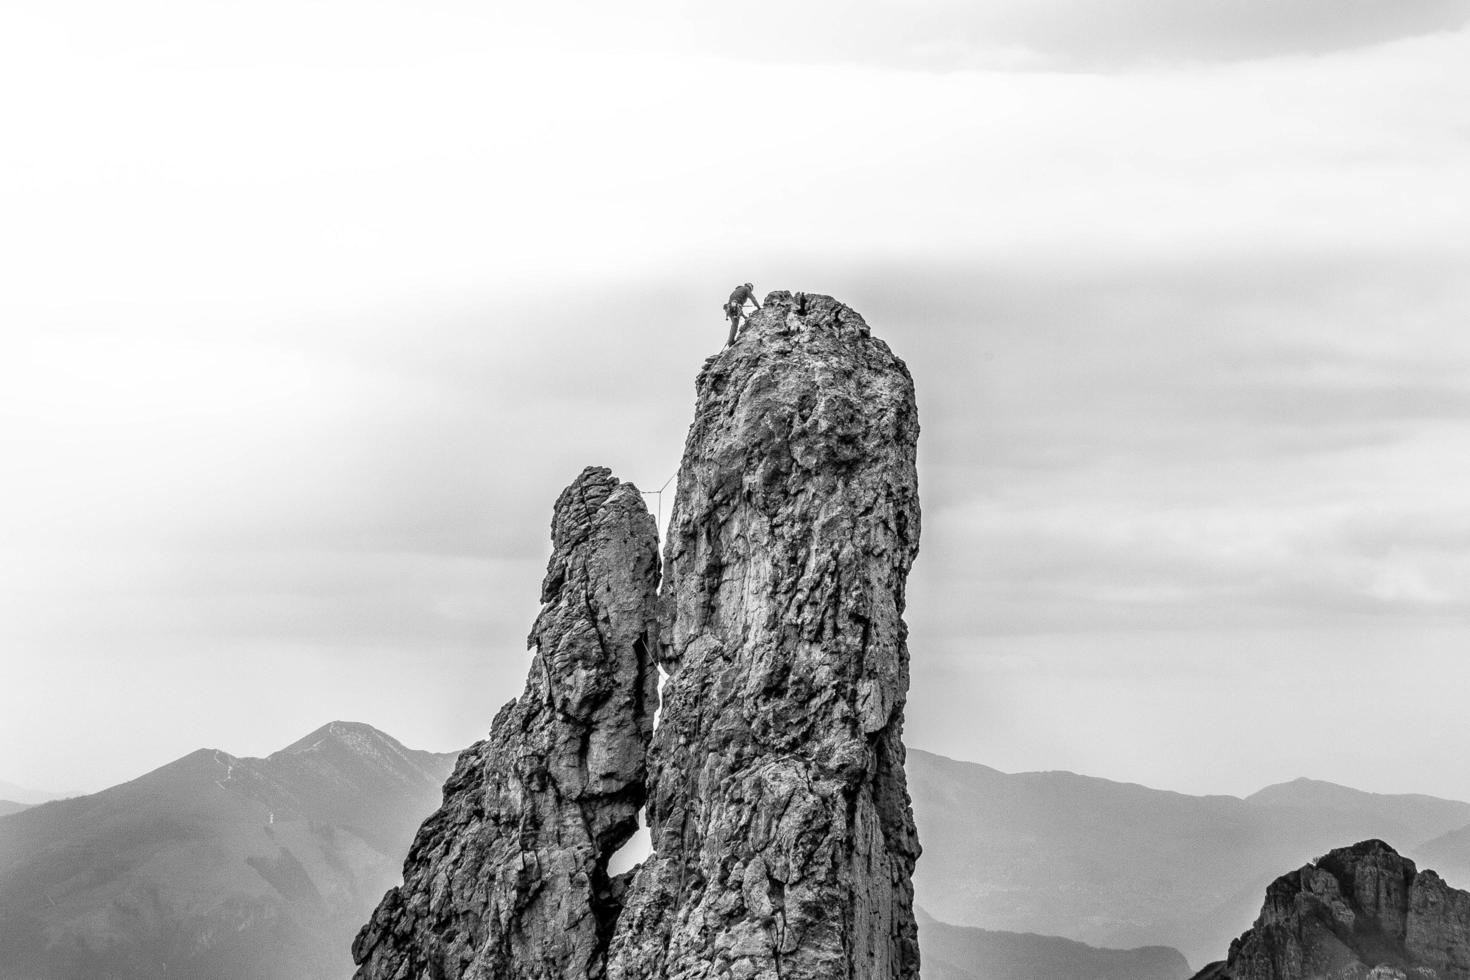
(509, 878)
(784, 843)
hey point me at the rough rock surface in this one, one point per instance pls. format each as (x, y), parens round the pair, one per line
(509, 878)
(784, 843)
(1359, 913)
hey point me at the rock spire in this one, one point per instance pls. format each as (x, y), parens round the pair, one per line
(784, 843)
(509, 878)
(1358, 913)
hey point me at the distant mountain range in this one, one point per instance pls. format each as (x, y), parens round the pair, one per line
(1448, 854)
(215, 866)
(956, 953)
(10, 806)
(264, 869)
(12, 793)
(1121, 865)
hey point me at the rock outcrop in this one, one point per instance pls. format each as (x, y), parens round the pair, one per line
(509, 878)
(784, 843)
(1359, 913)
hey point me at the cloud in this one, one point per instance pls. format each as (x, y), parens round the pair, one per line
(1102, 32)
(1189, 443)
(945, 35)
(1207, 712)
(288, 391)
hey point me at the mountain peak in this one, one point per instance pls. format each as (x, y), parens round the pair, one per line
(1410, 817)
(1358, 911)
(357, 735)
(246, 868)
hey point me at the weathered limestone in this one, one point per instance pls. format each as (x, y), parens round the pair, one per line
(1359, 913)
(784, 840)
(784, 843)
(509, 878)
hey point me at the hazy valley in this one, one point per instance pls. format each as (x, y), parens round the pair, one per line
(213, 865)
(262, 869)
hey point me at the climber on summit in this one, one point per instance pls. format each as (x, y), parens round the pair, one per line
(735, 308)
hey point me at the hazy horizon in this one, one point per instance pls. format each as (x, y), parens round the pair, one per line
(312, 311)
(33, 796)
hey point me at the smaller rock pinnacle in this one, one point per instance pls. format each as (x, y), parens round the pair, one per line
(509, 878)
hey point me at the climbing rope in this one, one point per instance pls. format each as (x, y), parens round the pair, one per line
(659, 493)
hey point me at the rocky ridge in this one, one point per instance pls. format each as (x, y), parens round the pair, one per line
(964, 953)
(508, 879)
(783, 836)
(1358, 913)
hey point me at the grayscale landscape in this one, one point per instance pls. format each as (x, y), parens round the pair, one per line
(270, 872)
(822, 491)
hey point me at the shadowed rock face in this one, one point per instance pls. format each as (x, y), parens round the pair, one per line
(509, 878)
(783, 838)
(1359, 913)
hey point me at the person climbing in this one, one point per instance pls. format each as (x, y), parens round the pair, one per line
(735, 308)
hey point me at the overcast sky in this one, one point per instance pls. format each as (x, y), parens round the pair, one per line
(310, 309)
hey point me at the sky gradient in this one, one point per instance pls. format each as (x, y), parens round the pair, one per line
(311, 310)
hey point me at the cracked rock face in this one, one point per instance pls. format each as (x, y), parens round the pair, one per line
(509, 878)
(784, 843)
(1359, 913)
